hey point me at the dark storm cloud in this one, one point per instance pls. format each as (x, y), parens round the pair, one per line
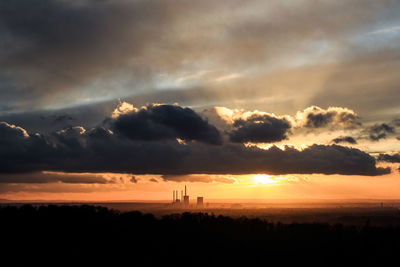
(162, 122)
(316, 117)
(344, 139)
(379, 131)
(47, 121)
(52, 177)
(63, 118)
(99, 150)
(20, 152)
(395, 158)
(239, 159)
(259, 128)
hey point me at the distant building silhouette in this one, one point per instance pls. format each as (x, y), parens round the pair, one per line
(184, 201)
(175, 199)
(199, 202)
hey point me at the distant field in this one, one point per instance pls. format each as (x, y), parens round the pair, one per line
(347, 213)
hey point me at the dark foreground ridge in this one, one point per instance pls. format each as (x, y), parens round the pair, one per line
(89, 236)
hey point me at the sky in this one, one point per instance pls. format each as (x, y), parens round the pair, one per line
(130, 99)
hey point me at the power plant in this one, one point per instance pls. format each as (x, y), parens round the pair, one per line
(183, 200)
(200, 202)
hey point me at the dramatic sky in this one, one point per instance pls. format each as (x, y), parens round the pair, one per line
(128, 100)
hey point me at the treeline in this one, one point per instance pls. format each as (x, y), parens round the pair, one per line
(89, 235)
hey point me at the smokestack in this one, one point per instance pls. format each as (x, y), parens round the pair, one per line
(173, 198)
(185, 191)
(182, 195)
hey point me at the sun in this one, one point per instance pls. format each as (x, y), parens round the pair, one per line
(263, 179)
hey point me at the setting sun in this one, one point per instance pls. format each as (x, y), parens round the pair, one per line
(263, 179)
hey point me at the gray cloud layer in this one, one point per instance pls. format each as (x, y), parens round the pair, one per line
(379, 131)
(163, 122)
(100, 150)
(54, 51)
(41, 178)
(260, 128)
(345, 139)
(316, 117)
(395, 158)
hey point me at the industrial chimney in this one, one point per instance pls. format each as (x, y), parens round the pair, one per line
(200, 201)
(186, 199)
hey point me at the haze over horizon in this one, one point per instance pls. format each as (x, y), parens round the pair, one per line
(131, 99)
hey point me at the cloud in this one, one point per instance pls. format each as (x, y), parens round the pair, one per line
(259, 128)
(12, 132)
(395, 122)
(61, 50)
(99, 150)
(395, 158)
(354, 81)
(244, 126)
(238, 159)
(200, 178)
(54, 177)
(123, 108)
(379, 131)
(374, 133)
(153, 180)
(51, 120)
(63, 118)
(60, 45)
(344, 139)
(165, 122)
(316, 117)
(17, 146)
(386, 30)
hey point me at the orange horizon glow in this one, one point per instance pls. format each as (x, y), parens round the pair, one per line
(252, 187)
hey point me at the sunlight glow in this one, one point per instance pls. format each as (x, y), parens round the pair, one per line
(280, 146)
(263, 179)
